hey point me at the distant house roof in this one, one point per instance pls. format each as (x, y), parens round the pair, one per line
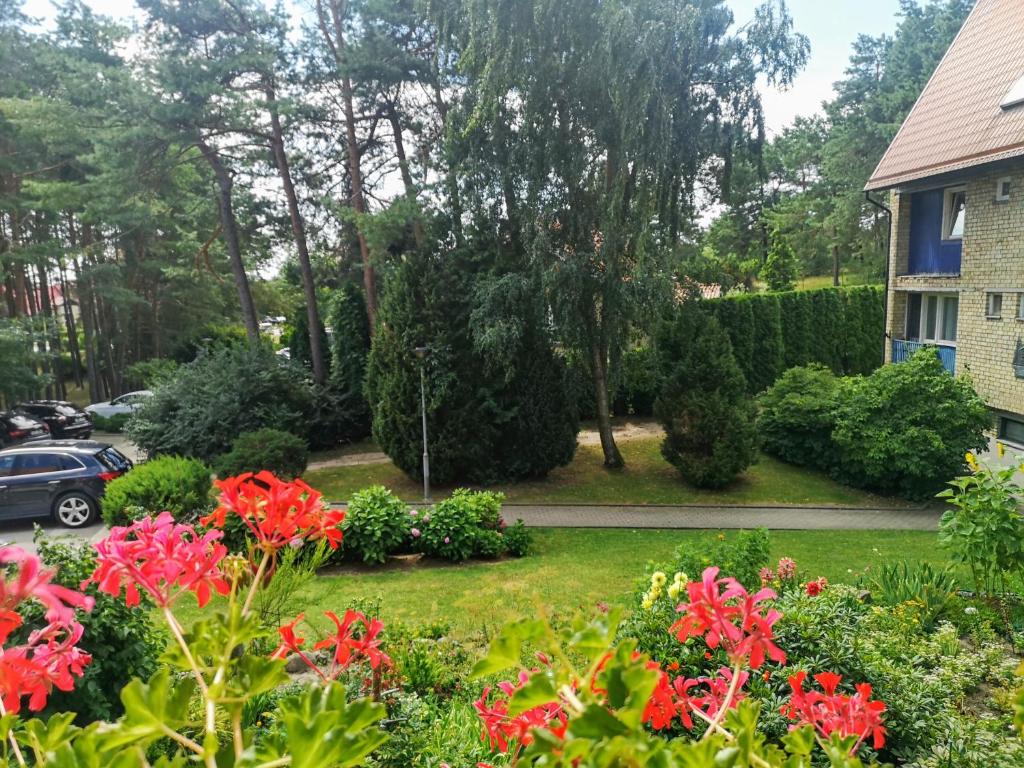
(965, 115)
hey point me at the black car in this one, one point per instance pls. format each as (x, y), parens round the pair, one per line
(64, 479)
(18, 428)
(64, 419)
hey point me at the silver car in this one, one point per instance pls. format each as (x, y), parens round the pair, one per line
(125, 403)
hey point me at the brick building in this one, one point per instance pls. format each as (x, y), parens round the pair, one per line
(955, 171)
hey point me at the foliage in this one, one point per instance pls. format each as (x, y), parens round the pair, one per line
(18, 376)
(637, 388)
(377, 524)
(123, 643)
(279, 452)
(152, 372)
(984, 528)
(496, 401)
(221, 394)
(906, 428)
(702, 405)
(518, 540)
(930, 590)
(451, 528)
(172, 484)
(350, 347)
(115, 423)
(838, 328)
(780, 268)
(797, 415)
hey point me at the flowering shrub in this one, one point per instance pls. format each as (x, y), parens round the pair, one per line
(195, 704)
(377, 523)
(466, 524)
(592, 701)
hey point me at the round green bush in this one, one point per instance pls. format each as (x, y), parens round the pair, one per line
(518, 539)
(797, 416)
(377, 523)
(451, 529)
(282, 453)
(173, 484)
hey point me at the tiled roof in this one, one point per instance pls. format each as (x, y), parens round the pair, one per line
(957, 122)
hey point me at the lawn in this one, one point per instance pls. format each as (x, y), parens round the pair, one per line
(575, 569)
(646, 479)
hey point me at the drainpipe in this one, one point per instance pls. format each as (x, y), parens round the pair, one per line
(888, 237)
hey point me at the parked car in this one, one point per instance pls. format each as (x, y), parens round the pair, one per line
(64, 419)
(125, 403)
(19, 428)
(60, 478)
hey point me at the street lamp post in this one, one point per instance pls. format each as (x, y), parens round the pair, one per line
(421, 353)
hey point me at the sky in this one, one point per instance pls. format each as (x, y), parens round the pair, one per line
(831, 25)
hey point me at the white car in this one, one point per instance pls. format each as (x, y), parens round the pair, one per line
(125, 403)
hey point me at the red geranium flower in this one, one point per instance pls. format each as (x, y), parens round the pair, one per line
(830, 712)
(350, 643)
(275, 512)
(163, 558)
(502, 731)
(814, 588)
(726, 615)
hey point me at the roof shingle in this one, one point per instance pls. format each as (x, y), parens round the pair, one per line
(957, 121)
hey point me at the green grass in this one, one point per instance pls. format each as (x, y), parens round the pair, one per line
(646, 479)
(825, 281)
(575, 569)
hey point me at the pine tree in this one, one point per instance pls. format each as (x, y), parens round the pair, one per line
(703, 406)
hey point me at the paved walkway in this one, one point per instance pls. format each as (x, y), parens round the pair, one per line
(695, 516)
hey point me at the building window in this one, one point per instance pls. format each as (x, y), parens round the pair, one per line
(994, 305)
(1020, 306)
(932, 317)
(1011, 430)
(1003, 189)
(954, 212)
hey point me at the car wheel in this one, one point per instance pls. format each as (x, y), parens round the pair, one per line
(74, 510)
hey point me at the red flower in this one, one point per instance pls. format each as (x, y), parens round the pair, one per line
(726, 615)
(717, 685)
(501, 731)
(31, 581)
(162, 557)
(661, 707)
(814, 588)
(275, 512)
(832, 712)
(350, 644)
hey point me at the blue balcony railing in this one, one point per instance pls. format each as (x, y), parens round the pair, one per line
(902, 349)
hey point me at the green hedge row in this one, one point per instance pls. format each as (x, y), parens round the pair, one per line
(840, 328)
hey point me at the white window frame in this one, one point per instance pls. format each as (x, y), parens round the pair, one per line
(940, 312)
(1001, 195)
(989, 295)
(947, 203)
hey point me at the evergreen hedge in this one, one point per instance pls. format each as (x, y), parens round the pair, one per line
(840, 328)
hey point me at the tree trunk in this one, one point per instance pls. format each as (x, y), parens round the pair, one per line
(337, 46)
(599, 369)
(227, 220)
(454, 199)
(316, 349)
(835, 259)
(88, 329)
(403, 167)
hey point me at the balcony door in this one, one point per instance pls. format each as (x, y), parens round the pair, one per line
(932, 317)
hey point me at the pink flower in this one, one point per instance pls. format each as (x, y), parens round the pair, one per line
(503, 730)
(163, 558)
(725, 614)
(766, 574)
(32, 581)
(447, 540)
(415, 533)
(786, 569)
(414, 512)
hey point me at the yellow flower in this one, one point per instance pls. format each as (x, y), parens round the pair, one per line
(658, 579)
(1001, 450)
(972, 461)
(680, 578)
(648, 602)
(673, 590)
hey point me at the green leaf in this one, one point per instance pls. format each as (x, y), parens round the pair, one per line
(537, 690)
(506, 648)
(151, 708)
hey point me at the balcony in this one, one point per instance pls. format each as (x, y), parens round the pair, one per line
(902, 350)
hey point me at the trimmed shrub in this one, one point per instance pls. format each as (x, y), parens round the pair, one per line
(225, 392)
(518, 539)
(173, 484)
(451, 528)
(122, 641)
(282, 453)
(863, 347)
(113, 423)
(497, 402)
(377, 523)
(798, 415)
(703, 406)
(905, 428)
(768, 360)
